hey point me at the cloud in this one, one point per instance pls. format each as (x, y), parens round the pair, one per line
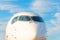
(2, 25)
(2, 36)
(52, 30)
(11, 8)
(2, 29)
(58, 38)
(57, 15)
(56, 23)
(41, 7)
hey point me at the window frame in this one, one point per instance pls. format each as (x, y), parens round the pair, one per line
(24, 17)
(13, 21)
(37, 20)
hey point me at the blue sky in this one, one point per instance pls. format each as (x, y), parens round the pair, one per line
(49, 10)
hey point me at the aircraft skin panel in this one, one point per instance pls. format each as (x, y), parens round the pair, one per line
(39, 38)
(25, 30)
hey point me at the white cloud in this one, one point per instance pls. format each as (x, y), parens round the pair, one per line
(11, 8)
(57, 20)
(43, 6)
(2, 29)
(52, 30)
(57, 15)
(56, 23)
(2, 25)
(58, 38)
(2, 36)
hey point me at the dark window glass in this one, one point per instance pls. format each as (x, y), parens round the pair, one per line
(24, 18)
(37, 18)
(14, 20)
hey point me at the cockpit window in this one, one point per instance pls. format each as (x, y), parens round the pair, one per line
(37, 18)
(14, 20)
(24, 18)
(31, 18)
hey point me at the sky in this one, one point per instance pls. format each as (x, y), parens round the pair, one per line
(49, 10)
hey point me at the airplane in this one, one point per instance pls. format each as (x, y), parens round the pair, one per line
(26, 26)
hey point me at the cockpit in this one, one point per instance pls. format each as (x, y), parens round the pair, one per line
(27, 18)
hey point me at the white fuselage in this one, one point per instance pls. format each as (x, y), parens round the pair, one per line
(25, 30)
